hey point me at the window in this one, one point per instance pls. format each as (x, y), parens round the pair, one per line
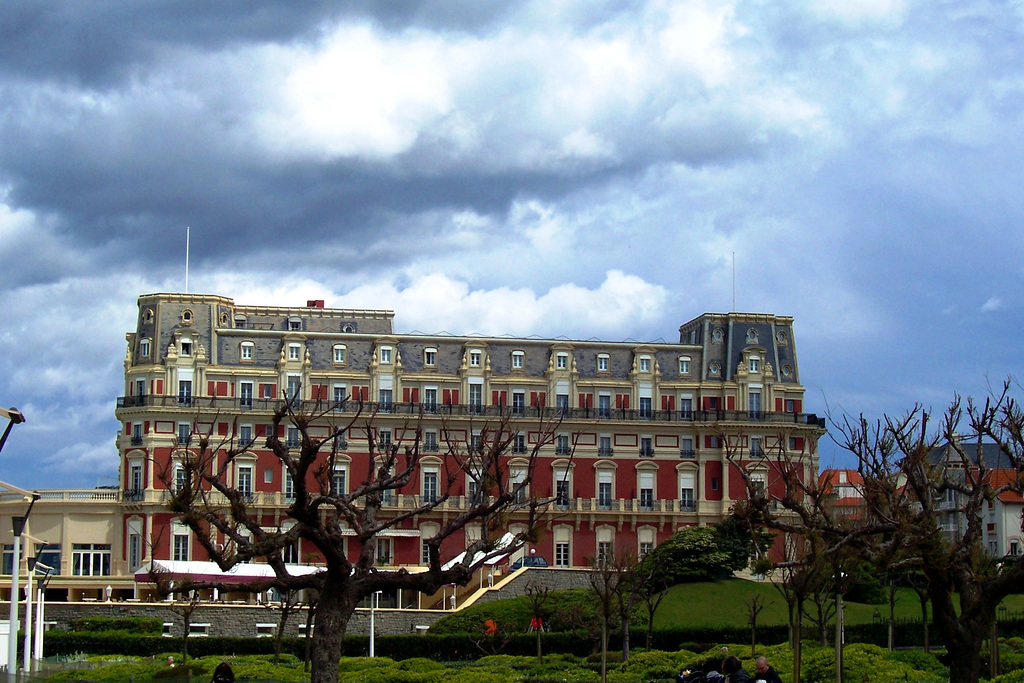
(247, 350)
(385, 354)
(645, 407)
(686, 448)
(561, 554)
(518, 360)
(604, 445)
(294, 389)
(602, 362)
(245, 394)
(430, 485)
(562, 361)
(790, 405)
(645, 548)
(185, 392)
(685, 408)
(136, 433)
(294, 324)
(144, 348)
(684, 365)
(135, 483)
(266, 630)
(384, 551)
(244, 435)
(757, 481)
(340, 354)
(647, 490)
(184, 433)
(289, 486)
(754, 364)
(140, 389)
(430, 358)
(562, 403)
(430, 399)
(186, 347)
(519, 443)
(604, 405)
(476, 397)
(90, 559)
(646, 447)
(424, 552)
(714, 442)
(385, 396)
(604, 489)
(430, 441)
(686, 486)
(754, 403)
(1014, 548)
(474, 442)
(180, 477)
(384, 438)
(340, 480)
(562, 444)
(715, 483)
(245, 480)
(340, 396)
(645, 363)
(518, 402)
(517, 477)
(562, 493)
(293, 352)
(134, 551)
(756, 451)
(474, 359)
(291, 439)
(604, 553)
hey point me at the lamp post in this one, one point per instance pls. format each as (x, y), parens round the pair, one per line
(40, 601)
(18, 524)
(14, 417)
(32, 563)
(373, 599)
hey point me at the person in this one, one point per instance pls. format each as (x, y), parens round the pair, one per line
(765, 672)
(734, 671)
(223, 673)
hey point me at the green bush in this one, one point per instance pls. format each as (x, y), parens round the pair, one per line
(860, 661)
(129, 624)
(120, 672)
(920, 660)
(1012, 677)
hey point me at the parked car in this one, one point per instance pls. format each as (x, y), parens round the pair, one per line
(529, 561)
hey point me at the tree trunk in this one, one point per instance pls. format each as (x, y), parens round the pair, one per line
(839, 638)
(604, 649)
(625, 639)
(540, 652)
(797, 642)
(333, 611)
(308, 638)
(892, 618)
(923, 597)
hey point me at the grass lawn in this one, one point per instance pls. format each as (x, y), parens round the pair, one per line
(722, 603)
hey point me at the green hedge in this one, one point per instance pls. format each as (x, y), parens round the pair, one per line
(129, 624)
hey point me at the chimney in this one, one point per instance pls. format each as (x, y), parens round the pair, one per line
(314, 303)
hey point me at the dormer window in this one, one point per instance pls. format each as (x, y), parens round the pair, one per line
(186, 317)
(294, 324)
(186, 347)
(684, 365)
(240, 322)
(474, 358)
(294, 351)
(144, 348)
(645, 363)
(340, 354)
(385, 354)
(562, 361)
(148, 315)
(518, 360)
(430, 358)
(247, 351)
(754, 364)
(602, 362)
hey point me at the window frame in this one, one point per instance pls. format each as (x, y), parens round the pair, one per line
(339, 354)
(247, 352)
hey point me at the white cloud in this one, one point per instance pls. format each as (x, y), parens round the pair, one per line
(992, 304)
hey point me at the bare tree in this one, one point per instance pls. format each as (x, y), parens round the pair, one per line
(538, 598)
(229, 526)
(755, 606)
(603, 579)
(185, 606)
(925, 490)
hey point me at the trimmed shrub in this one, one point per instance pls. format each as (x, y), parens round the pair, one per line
(129, 624)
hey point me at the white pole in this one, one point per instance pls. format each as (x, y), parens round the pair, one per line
(40, 599)
(373, 599)
(26, 649)
(12, 637)
(187, 235)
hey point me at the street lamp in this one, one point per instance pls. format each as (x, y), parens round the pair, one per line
(40, 601)
(18, 524)
(374, 597)
(14, 417)
(32, 563)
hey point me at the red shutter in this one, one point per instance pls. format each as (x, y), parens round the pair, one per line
(799, 443)
(405, 395)
(798, 406)
(145, 426)
(222, 428)
(159, 387)
(415, 395)
(494, 398)
(280, 431)
(779, 405)
(707, 441)
(222, 388)
(625, 401)
(446, 397)
(455, 397)
(211, 388)
(707, 402)
(323, 392)
(533, 399)
(590, 400)
(502, 398)
(260, 431)
(618, 401)
(730, 401)
(583, 400)
(671, 403)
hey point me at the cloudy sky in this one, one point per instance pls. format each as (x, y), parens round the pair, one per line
(574, 168)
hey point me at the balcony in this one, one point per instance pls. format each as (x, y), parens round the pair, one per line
(687, 453)
(430, 447)
(562, 450)
(223, 403)
(647, 452)
(605, 452)
(133, 495)
(136, 439)
(687, 506)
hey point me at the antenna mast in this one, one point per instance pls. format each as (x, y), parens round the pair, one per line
(734, 282)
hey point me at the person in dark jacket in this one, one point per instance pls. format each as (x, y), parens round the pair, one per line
(765, 672)
(223, 673)
(734, 671)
